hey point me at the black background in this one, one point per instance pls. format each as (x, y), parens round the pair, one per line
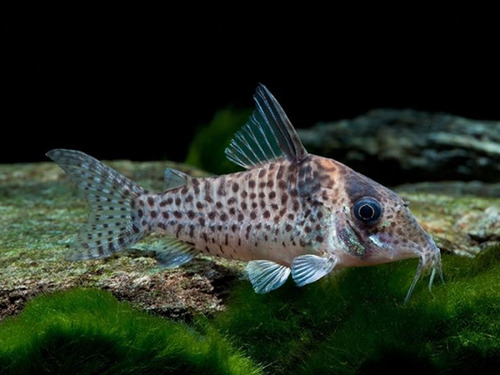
(135, 84)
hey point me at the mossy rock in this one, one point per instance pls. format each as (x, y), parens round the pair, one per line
(41, 211)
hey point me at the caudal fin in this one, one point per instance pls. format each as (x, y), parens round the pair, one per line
(113, 223)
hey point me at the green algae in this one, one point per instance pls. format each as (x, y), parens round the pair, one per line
(349, 323)
(355, 321)
(89, 331)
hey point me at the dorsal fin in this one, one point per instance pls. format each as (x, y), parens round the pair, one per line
(267, 135)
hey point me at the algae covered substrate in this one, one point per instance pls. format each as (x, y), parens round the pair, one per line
(125, 315)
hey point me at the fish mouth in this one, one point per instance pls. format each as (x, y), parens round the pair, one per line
(430, 258)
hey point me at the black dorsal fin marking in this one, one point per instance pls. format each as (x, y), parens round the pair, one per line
(268, 135)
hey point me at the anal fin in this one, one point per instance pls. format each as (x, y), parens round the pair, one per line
(266, 275)
(174, 253)
(309, 268)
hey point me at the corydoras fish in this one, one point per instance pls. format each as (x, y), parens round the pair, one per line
(289, 212)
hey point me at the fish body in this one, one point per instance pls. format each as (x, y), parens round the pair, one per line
(288, 212)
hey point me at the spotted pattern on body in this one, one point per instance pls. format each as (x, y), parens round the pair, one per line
(247, 215)
(288, 213)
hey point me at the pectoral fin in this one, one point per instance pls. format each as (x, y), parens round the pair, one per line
(309, 268)
(266, 275)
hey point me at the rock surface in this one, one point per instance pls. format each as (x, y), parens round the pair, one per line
(41, 211)
(463, 218)
(400, 146)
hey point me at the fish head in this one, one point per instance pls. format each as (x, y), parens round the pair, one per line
(373, 225)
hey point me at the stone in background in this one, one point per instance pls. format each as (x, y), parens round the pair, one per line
(399, 146)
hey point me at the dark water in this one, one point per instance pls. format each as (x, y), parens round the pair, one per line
(137, 85)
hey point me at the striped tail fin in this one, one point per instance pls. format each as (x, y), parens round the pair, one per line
(113, 223)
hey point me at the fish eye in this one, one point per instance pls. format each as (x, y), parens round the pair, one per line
(367, 210)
